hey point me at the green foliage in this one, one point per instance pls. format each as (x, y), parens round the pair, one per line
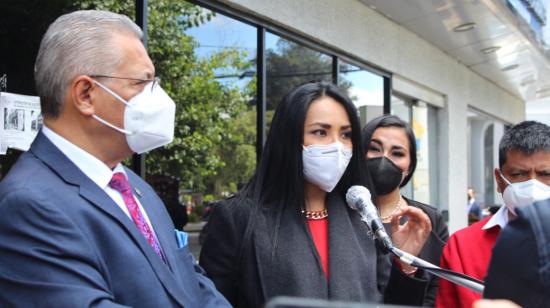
(211, 142)
(240, 151)
(290, 65)
(193, 217)
(199, 209)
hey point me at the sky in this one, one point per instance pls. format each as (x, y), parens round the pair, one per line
(223, 32)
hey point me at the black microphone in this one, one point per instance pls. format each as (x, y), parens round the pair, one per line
(359, 199)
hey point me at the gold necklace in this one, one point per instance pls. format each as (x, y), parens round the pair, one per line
(395, 209)
(315, 215)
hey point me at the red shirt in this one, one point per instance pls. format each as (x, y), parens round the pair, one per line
(319, 232)
(468, 251)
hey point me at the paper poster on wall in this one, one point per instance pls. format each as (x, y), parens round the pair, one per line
(21, 120)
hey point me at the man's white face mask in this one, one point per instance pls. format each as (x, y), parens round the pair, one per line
(521, 194)
(148, 118)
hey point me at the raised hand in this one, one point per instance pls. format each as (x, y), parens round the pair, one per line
(412, 235)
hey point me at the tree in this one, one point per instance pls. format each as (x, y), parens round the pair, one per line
(240, 150)
(290, 65)
(207, 110)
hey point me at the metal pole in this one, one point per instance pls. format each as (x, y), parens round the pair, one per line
(138, 160)
(387, 95)
(261, 93)
(335, 70)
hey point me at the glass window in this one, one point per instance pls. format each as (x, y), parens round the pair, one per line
(401, 107)
(289, 65)
(433, 159)
(423, 119)
(365, 89)
(421, 179)
(209, 71)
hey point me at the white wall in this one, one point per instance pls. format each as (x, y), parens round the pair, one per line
(539, 110)
(354, 29)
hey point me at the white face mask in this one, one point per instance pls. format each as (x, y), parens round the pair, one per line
(148, 118)
(324, 165)
(518, 195)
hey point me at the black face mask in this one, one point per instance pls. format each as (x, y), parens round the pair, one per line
(386, 176)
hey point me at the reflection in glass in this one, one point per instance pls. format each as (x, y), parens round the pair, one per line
(423, 119)
(289, 65)
(421, 179)
(365, 89)
(209, 71)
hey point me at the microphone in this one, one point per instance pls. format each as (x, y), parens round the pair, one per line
(359, 199)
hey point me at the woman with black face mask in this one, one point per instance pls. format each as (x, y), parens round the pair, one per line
(391, 160)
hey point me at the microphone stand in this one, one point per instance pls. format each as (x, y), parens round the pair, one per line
(359, 199)
(454, 277)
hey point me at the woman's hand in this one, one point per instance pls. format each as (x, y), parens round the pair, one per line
(412, 235)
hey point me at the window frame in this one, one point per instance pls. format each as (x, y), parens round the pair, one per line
(263, 26)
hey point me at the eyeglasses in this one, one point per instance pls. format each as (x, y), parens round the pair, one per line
(155, 80)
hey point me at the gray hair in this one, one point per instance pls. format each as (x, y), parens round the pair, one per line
(78, 43)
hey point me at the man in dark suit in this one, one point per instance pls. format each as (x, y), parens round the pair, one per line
(520, 266)
(77, 229)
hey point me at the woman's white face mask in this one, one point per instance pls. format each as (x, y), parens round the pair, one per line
(324, 165)
(521, 194)
(148, 118)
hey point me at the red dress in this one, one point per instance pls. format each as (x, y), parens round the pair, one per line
(468, 251)
(319, 232)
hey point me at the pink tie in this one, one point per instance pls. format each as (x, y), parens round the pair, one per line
(121, 184)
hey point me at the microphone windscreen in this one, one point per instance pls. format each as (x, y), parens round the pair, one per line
(356, 193)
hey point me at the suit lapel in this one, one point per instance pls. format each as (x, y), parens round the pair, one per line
(70, 173)
(164, 230)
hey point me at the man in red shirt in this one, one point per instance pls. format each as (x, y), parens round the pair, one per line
(523, 177)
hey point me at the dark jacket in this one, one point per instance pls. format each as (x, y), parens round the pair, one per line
(520, 266)
(433, 247)
(280, 258)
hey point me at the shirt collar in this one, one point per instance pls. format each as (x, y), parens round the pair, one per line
(92, 167)
(499, 219)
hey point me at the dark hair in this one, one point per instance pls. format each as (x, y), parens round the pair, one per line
(527, 137)
(279, 176)
(388, 120)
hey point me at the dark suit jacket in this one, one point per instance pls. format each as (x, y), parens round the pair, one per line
(520, 265)
(65, 243)
(280, 258)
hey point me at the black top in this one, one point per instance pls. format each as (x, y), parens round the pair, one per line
(279, 257)
(433, 247)
(520, 265)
